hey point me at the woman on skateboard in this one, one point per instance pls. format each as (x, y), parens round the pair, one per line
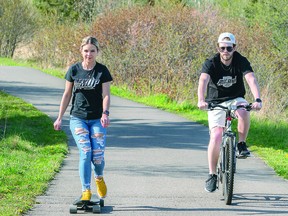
(88, 84)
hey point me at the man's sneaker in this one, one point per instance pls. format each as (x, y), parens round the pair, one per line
(101, 188)
(243, 152)
(211, 182)
(86, 195)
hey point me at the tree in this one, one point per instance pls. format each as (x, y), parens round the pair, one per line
(62, 9)
(17, 24)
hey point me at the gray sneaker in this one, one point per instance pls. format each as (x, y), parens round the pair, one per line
(211, 182)
(243, 152)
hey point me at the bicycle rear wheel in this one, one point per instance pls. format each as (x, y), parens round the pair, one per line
(228, 175)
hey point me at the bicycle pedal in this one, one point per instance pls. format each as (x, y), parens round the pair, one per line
(241, 156)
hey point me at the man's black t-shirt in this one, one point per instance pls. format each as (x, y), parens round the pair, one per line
(87, 91)
(226, 83)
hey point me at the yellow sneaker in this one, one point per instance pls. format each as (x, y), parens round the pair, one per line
(86, 195)
(101, 188)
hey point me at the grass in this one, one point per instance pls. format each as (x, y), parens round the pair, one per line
(30, 158)
(10, 62)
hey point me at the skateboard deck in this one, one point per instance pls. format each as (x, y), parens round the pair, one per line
(94, 205)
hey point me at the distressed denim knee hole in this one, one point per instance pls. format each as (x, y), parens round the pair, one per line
(79, 131)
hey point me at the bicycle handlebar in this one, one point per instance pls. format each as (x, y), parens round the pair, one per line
(247, 107)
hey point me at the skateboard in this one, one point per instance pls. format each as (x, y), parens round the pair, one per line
(93, 205)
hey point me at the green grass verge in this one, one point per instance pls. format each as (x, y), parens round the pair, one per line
(31, 154)
(10, 62)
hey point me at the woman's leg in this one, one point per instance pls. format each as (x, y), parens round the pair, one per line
(80, 132)
(98, 142)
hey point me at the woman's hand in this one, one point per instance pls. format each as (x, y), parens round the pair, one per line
(57, 124)
(105, 120)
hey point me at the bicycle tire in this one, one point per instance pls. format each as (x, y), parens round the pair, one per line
(228, 175)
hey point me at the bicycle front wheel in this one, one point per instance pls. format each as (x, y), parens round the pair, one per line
(228, 175)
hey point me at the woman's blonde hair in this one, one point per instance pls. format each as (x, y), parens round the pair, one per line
(90, 40)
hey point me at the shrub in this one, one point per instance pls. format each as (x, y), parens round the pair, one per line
(154, 50)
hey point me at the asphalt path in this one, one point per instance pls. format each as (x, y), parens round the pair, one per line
(156, 162)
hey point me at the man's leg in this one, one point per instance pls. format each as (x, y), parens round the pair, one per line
(213, 155)
(214, 148)
(243, 129)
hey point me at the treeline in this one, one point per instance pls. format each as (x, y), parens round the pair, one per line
(154, 46)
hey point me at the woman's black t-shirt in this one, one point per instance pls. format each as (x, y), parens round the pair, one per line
(87, 91)
(226, 83)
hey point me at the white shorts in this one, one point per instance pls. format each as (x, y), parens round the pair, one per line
(216, 118)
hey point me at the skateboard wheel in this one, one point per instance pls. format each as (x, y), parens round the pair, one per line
(101, 202)
(73, 209)
(96, 209)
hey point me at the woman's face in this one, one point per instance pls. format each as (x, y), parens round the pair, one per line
(89, 53)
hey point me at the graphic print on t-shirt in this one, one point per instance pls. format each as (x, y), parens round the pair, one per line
(87, 83)
(227, 81)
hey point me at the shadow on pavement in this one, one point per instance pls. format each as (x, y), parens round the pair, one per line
(272, 202)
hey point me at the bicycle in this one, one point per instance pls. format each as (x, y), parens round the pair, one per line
(226, 166)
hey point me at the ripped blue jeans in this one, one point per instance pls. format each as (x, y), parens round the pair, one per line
(90, 138)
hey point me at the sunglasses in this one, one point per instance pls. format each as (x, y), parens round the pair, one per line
(229, 49)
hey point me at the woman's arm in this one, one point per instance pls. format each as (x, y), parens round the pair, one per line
(106, 104)
(64, 104)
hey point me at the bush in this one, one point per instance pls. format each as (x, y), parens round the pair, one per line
(155, 50)
(60, 47)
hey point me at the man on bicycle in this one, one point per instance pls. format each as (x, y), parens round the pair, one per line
(221, 79)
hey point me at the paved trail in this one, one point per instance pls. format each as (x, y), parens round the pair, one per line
(156, 162)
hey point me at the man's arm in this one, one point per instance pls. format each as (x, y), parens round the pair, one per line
(202, 87)
(254, 87)
(253, 84)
